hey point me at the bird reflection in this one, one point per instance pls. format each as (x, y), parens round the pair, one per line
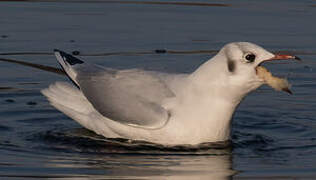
(101, 158)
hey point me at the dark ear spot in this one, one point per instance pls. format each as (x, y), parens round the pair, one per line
(231, 65)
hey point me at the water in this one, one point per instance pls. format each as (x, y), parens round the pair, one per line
(274, 134)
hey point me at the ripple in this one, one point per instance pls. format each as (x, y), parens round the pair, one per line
(8, 89)
(84, 141)
(5, 128)
(40, 120)
(248, 140)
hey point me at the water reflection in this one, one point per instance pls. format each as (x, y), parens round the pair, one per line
(80, 154)
(85, 155)
(215, 167)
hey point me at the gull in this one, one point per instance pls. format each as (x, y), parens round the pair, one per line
(158, 107)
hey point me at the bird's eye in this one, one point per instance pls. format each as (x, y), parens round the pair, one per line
(250, 57)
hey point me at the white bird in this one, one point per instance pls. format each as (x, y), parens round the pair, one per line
(169, 109)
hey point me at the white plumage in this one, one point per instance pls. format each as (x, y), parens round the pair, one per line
(157, 107)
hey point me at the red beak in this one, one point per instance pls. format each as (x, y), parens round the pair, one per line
(284, 57)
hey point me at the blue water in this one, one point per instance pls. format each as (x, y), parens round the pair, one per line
(274, 134)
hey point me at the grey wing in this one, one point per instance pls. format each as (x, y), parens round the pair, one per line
(132, 97)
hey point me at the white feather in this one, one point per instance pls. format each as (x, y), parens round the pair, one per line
(199, 106)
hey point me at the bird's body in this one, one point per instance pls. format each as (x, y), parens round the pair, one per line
(163, 108)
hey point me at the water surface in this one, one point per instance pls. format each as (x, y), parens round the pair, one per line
(274, 134)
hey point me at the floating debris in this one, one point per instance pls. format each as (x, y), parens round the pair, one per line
(160, 51)
(31, 103)
(75, 53)
(10, 100)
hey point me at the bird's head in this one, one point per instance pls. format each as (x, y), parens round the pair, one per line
(243, 66)
(237, 70)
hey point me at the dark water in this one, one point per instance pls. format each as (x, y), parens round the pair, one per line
(274, 134)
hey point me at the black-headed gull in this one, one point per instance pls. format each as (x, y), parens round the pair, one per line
(169, 109)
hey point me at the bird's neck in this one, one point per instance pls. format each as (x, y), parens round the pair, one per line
(208, 102)
(213, 78)
(208, 117)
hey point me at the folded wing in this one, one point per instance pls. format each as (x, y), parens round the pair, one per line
(132, 97)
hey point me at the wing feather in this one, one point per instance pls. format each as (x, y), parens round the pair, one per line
(133, 97)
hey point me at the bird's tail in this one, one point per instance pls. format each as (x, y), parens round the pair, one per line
(70, 101)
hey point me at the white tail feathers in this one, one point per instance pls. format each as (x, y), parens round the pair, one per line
(67, 95)
(70, 100)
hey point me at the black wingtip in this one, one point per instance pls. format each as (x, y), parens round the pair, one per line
(56, 50)
(68, 58)
(297, 58)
